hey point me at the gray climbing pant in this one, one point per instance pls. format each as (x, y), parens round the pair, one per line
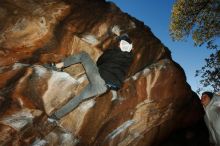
(95, 87)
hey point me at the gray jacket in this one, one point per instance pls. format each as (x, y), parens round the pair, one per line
(212, 119)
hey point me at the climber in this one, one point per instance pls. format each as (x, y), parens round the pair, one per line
(211, 104)
(107, 74)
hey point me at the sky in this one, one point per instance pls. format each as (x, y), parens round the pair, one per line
(156, 14)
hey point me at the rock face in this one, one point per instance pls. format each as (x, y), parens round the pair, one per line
(154, 101)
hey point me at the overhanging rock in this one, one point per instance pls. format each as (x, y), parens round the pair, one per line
(154, 100)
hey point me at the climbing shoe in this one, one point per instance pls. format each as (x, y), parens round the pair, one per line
(52, 66)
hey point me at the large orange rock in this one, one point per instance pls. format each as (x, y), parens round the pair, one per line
(154, 101)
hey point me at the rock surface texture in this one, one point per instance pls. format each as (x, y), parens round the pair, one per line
(154, 101)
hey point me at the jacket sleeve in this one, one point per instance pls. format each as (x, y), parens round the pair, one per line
(216, 99)
(104, 57)
(100, 59)
(216, 120)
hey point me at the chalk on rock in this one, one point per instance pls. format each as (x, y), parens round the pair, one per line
(91, 39)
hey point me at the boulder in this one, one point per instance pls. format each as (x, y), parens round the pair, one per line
(154, 101)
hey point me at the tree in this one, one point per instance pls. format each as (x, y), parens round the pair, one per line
(201, 19)
(210, 73)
